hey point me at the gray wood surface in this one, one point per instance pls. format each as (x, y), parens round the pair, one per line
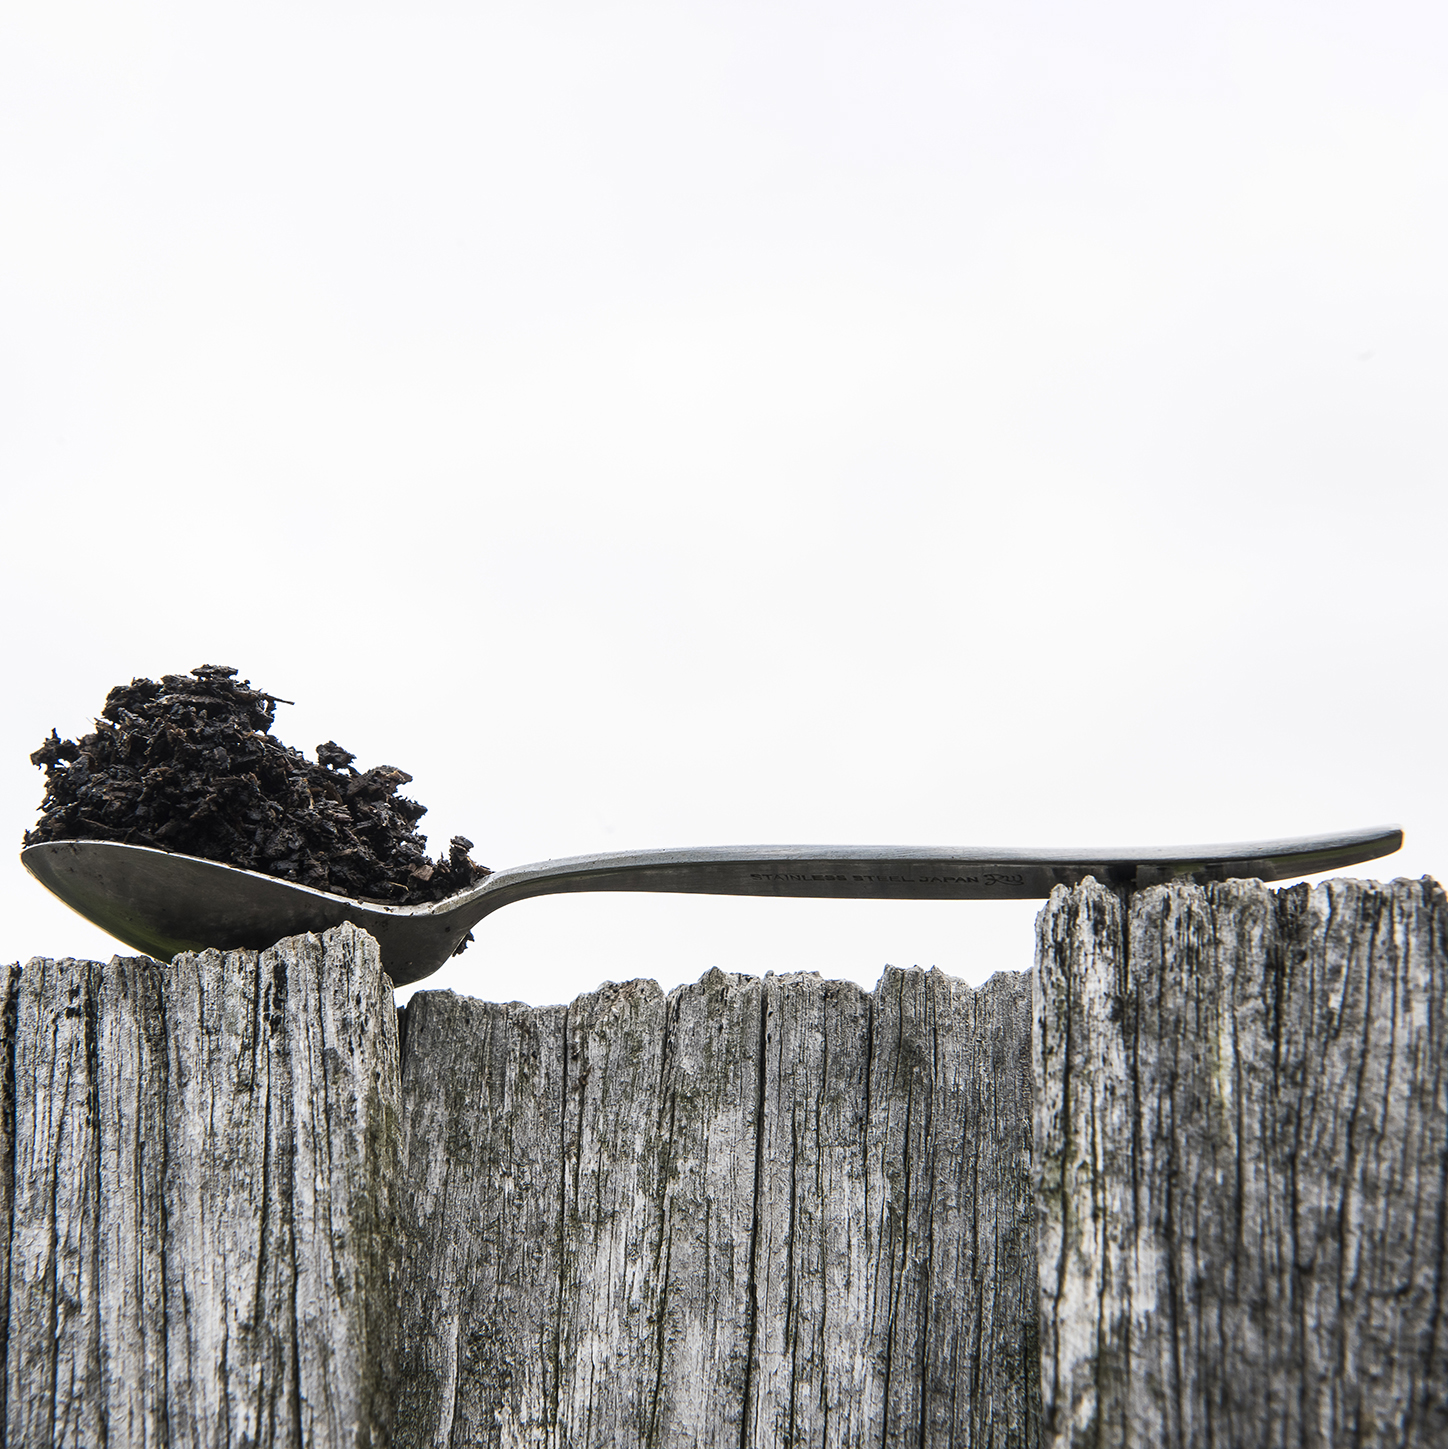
(202, 1235)
(777, 1212)
(746, 1213)
(1242, 1142)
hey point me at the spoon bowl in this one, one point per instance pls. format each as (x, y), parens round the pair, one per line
(161, 903)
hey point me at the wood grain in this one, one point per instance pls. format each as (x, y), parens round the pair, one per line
(201, 1234)
(749, 1212)
(746, 1212)
(1242, 1142)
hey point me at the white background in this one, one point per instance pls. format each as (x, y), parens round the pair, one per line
(661, 424)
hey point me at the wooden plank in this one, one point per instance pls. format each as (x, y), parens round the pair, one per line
(762, 1212)
(53, 1352)
(9, 1012)
(482, 1172)
(1242, 1139)
(202, 1237)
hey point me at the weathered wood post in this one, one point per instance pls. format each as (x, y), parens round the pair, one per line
(777, 1212)
(1242, 1155)
(785, 1211)
(202, 1225)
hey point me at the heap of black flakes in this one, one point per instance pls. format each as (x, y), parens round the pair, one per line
(190, 765)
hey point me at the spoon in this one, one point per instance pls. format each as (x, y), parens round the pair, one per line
(162, 903)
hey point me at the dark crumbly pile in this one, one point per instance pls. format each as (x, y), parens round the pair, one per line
(190, 765)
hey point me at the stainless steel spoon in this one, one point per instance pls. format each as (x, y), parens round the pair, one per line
(162, 903)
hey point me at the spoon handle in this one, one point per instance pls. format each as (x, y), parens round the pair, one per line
(909, 872)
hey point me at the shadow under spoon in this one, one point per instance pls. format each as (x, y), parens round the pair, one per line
(161, 903)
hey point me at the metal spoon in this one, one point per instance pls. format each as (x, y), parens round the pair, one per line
(162, 903)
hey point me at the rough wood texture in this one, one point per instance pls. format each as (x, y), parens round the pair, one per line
(201, 1231)
(745, 1213)
(1242, 1139)
(778, 1212)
